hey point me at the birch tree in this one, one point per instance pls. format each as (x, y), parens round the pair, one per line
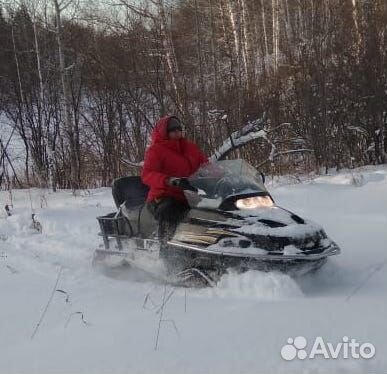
(64, 71)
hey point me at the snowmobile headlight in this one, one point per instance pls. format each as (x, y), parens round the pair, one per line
(254, 202)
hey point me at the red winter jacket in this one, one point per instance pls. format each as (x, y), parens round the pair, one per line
(169, 158)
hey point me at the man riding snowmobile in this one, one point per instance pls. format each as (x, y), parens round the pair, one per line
(168, 162)
(210, 217)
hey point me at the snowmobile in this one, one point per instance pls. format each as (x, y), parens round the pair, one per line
(233, 222)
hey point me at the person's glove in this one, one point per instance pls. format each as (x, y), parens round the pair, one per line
(181, 183)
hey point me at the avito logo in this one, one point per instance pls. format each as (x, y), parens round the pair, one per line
(347, 348)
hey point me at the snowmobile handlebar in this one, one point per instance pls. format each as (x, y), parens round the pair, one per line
(182, 183)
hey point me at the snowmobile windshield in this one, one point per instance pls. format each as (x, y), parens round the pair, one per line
(217, 181)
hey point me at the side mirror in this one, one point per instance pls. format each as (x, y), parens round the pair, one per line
(263, 177)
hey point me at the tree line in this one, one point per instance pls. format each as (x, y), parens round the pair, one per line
(83, 85)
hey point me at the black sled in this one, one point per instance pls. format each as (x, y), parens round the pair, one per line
(233, 223)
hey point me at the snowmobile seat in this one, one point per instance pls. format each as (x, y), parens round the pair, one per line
(129, 194)
(130, 190)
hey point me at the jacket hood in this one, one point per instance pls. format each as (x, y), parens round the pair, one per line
(159, 133)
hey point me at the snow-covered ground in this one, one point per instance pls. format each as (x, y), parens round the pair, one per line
(110, 321)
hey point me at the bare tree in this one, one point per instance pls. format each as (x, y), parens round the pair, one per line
(64, 71)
